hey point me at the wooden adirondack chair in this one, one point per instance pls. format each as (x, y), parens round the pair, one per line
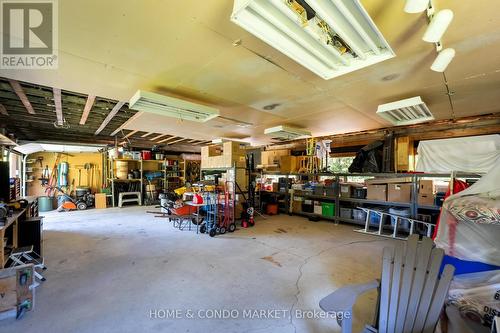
(411, 295)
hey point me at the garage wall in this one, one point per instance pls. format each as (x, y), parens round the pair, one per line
(76, 161)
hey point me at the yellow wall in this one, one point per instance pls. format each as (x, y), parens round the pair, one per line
(76, 161)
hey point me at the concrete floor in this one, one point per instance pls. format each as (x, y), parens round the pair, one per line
(110, 270)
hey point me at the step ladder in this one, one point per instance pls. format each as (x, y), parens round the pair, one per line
(427, 227)
(25, 255)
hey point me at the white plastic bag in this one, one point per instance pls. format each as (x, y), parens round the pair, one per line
(476, 296)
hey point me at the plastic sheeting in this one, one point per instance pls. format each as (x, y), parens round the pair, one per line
(469, 227)
(476, 296)
(469, 154)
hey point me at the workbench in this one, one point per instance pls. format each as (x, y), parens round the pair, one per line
(12, 234)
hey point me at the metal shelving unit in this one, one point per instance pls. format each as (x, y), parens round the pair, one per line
(413, 205)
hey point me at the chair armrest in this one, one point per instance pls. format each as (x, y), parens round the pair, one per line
(344, 298)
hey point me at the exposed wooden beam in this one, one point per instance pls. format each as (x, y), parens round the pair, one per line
(3, 110)
(22, 96)
(167, 139)
(58, 104)
(158, 137)
(146, 135)
(87, 108)
(110, 116)
(172, 142)
(122, 126)
(130, 134)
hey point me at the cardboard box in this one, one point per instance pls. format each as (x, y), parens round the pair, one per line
(426, 186)
(394, 180)
(296, 206)
(269, 157)
(318, 208)
(426, 199)
(100, 200)
(276, 187)
(217, 156)
(376, 192)
(347, 189)
(399, 192)
(288, 164)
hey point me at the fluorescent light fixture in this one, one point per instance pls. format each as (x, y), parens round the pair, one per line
(286, 132)
(442, 60)
(405, 112)
(438, 26)
(171, 107)
(416, 6)
(330, 38)
(219, 141)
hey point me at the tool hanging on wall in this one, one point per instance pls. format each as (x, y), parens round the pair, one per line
(45, 176)
(53, 177)
(62, 174)
(87, 167)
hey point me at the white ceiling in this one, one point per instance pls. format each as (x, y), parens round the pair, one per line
(185, 49)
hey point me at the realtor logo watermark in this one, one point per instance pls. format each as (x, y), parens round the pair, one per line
(29, 34)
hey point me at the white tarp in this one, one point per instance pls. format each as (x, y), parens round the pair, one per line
(469, 154)
(469, 226)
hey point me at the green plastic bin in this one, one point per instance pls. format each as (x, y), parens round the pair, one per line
(328, 209)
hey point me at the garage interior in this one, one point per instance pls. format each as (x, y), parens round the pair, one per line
(250, 166)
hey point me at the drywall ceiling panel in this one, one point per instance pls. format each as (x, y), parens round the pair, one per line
(113, 48)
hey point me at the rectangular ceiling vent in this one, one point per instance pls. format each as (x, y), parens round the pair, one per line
(329, 37)
(405, 112)
(171, 107)
(286, 133)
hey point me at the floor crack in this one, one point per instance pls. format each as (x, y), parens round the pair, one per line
(305, 261)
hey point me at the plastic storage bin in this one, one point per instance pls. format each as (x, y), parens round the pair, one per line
(328, 209)
(403, 212)
(346, 213)
(359, 215)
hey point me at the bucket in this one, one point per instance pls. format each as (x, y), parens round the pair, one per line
(146, 155)
(45, 204)
(403, 223)
(121, 169)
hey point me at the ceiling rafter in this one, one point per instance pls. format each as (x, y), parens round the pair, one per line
(22, 96)
(176, 141)
(110, 116)
(130, 134)
(87, 108)
(147, 134)
(58, 105)
(158, 137)
(167, 139)
(3, 110)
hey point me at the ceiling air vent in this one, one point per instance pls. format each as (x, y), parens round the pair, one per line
(329, 37)
(286, 133)
(405, 112)
(171, 107)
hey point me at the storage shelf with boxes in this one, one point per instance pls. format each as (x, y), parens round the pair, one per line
(418, 196)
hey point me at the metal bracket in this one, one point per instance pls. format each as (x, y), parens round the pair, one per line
(431, 9)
